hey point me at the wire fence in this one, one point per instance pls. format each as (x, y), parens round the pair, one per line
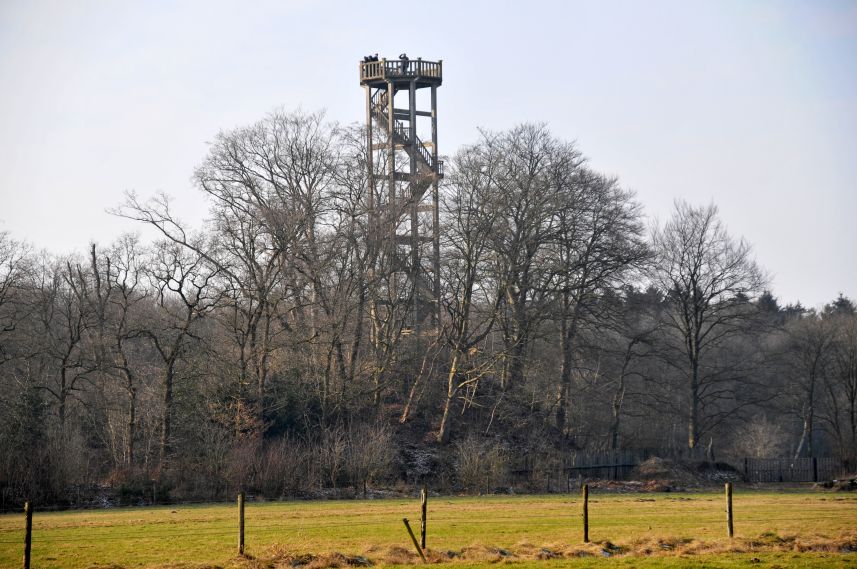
(107, 506)
(644, 517)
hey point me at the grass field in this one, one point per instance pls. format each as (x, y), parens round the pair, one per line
(794, 529)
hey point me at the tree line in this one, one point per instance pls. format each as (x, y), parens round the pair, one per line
(270, 348)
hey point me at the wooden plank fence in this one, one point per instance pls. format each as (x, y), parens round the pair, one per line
(608, 464)
(612, 465)
(619, 464)
(791, 469)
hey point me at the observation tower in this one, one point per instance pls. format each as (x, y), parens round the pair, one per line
(404, 171)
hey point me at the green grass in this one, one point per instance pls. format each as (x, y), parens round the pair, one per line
(197, 535)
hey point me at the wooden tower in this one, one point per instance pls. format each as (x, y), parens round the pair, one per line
(404, 171)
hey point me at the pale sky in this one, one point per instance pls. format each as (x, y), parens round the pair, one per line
(750, 104)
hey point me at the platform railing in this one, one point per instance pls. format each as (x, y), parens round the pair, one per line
(383, 69)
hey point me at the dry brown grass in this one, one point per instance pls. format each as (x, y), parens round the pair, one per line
(280, 557)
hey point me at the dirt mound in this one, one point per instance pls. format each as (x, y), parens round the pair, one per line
(633, 486)
(699, 473)
(662, 469)
(662, 475)
(843, 484)
(718, 472)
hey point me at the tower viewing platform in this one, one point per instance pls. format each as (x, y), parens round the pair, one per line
(378, 73)
(403, 193)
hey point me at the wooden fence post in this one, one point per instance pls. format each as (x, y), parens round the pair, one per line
(414, 539)
(423, 516)
(729, 526)
(28, 532)
(814, 469)
(241, 523)
(586, 513)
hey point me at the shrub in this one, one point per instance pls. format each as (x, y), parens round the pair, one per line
(482, 465)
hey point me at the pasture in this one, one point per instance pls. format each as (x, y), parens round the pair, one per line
(785, 529)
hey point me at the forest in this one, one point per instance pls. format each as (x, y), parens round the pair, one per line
(269, 350)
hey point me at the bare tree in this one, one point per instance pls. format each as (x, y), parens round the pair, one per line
(811, 342)
(760, 438)
(599, 244)
(268, 187)
(64, 320)
(846, 373)
(630, 335)
(119, 297)
(185, 294)
(709, 279)
(839, 413)
(523, 198)
(15, 275)
(470, 298)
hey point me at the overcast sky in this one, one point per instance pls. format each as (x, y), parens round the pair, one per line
(751, 105)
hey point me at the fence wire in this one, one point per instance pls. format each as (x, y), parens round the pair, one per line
(644, 522)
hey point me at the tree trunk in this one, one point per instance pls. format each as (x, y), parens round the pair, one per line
(809, 431)
(516, 365)
(617, 413)
(852, 410)
(619, 397)
(802, 440)
(63, 393)
(132, 419)
(443, 434)
(262, 368)
(166, 424)
(568, 331)
(376, 387)
(693, 423)
(564, 379)
(853, 413)
(808, 416)
(358, 333)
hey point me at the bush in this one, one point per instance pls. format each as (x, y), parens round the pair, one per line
(331, 452)
(482, 465)
(760, 439)
(287, 469)
(370, 454)
(133, 487)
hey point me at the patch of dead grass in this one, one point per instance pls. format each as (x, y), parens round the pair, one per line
(177, 566)
(281, 557)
